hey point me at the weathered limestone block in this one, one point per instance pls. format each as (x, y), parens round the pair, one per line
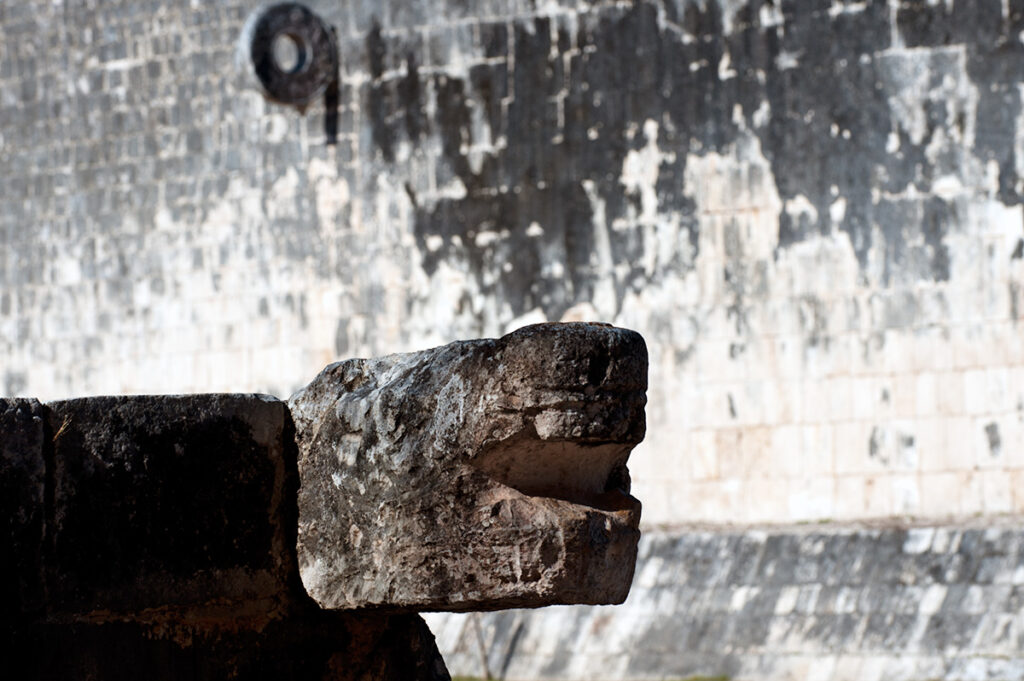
(480, 475)
(169, 501)
(22, 510)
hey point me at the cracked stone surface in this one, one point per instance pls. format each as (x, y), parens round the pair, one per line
(479, 475)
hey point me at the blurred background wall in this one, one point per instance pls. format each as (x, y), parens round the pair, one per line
(812, 211)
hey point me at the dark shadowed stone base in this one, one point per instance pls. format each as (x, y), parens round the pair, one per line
(314, 647)
(22, 491)
(153, 537)
(165, 501)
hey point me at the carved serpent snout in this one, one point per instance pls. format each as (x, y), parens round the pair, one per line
(568, 407)
(579, 382)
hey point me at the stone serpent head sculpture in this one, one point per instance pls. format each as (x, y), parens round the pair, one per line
(479, 475)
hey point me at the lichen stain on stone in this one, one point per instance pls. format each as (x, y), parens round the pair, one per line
(570, 95)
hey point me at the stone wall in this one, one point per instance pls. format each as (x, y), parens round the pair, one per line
(806, 603)
(811, 211)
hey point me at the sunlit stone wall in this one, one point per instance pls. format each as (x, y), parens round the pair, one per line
(811, 211)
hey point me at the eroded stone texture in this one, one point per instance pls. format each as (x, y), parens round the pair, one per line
(22, 515)
(479, 475)
(167, 501)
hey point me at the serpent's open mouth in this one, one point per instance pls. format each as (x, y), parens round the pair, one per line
(578, 411)
(572, 450)
(589, 474)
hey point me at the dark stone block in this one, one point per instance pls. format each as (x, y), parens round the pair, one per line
(991, 568)
(947, 631)
(883, 559)
(702, 563)
(750, 631)
(309, 647)
(746, 553)
(835, 559)
(888, 631)
(779, 560)
(762, 605)
(169, 501)
(22, 504)
(1014, 600)
(832, 630)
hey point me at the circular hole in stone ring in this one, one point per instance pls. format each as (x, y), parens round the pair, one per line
(293, 53)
